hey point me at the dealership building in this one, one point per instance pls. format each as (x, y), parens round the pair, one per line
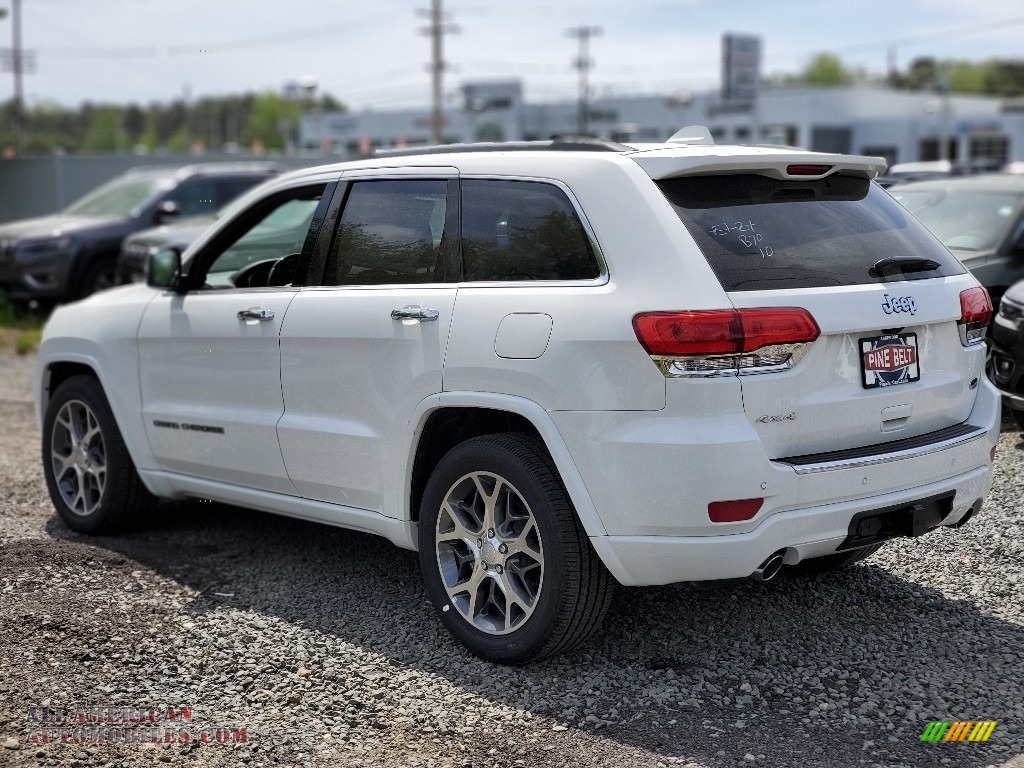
(901, 126)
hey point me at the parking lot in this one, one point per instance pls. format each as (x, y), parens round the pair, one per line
(315, 646)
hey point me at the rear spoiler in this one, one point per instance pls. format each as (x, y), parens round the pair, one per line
(806, 166)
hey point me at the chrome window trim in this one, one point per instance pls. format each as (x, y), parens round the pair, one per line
(910, 453)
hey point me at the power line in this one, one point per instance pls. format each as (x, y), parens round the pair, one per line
(950, 33)
(184, 49)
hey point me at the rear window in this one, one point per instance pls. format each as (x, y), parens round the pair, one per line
(759, 233)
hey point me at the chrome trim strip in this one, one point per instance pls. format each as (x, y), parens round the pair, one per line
(910, 453)
(669, 366)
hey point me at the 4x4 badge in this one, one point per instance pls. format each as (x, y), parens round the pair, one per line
(791, 416)
(901, 304)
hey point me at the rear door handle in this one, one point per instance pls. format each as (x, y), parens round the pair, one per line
(414, 313)
(255, 313)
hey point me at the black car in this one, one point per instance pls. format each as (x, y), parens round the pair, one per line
(73, 253)
(135, 249)
(979, 218)
(1007, 362)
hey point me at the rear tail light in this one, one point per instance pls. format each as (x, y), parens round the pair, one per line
(725, 341)
(733, 511)
(975, 315)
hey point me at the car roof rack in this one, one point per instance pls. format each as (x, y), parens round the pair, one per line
(557, 144)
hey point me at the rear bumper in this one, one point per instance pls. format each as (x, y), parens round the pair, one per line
(803, 533)
(651, 477)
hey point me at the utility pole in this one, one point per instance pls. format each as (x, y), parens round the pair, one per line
(583, 63)
(437, 30)
(17, 64)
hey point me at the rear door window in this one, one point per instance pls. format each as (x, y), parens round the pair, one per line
(759, 233)
(522, 230)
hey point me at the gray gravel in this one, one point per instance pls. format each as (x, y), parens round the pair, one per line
(321, 644)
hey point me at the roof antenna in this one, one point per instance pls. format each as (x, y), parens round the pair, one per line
(692, 134)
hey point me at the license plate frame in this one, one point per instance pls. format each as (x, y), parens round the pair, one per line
(889, 360)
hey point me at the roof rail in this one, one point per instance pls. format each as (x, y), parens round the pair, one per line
(557, 144)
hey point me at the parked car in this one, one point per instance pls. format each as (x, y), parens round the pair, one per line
(1007, 364)
(282, 232)
(541, 366)
(135, 249)
(979, 218)
(73, 253)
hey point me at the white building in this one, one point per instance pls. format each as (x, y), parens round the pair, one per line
(899, 125)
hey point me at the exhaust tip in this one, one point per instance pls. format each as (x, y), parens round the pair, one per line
(770, 568)
(975, 508)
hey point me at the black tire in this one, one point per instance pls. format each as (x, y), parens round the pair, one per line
(816, 566)
(89, 499)
(98, 276)
(1018, 416)
(573, 590)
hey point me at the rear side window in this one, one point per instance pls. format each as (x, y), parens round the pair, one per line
(522, 230)
(759, 233)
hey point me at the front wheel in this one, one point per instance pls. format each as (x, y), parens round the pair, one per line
(99, 277)
(505, 560)
(90, 476)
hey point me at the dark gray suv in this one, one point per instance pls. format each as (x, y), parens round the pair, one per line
(979, 218)
(73, 253)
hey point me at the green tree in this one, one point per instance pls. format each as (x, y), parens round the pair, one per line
(270, 119)
(826, 69)
(104, 133)
(1005, 78)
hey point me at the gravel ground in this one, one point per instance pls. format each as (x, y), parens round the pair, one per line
(321, 645)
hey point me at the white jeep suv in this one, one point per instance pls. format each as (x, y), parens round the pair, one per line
(548, 367)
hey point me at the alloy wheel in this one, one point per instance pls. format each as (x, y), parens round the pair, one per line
(489, 553)
(78, 458)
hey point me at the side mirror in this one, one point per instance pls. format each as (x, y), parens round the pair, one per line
(163, 268)
(168, 209)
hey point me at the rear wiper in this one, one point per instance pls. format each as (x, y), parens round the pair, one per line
(901, 264)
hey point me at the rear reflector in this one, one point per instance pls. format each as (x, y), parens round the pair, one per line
(975, 315)
(722, 331)
(807, 170)
(733, 511)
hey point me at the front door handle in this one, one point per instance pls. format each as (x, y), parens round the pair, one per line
(255, 313)
(414, 313)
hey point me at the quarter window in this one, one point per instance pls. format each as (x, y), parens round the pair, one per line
(522, 230)
(390, 232)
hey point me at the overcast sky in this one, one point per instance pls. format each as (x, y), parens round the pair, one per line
(372, 54)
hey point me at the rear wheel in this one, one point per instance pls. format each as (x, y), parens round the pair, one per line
(89, 474)
(816, 566)
(505, 560)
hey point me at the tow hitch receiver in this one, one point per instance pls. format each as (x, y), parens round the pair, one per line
(914, 519)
